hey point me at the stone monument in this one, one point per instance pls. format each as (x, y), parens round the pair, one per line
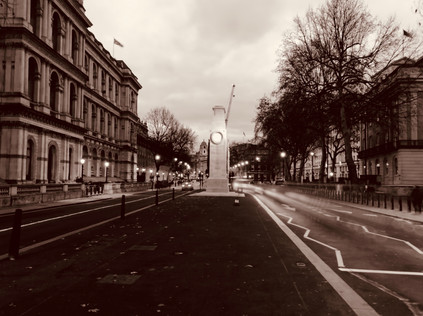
(218, 165)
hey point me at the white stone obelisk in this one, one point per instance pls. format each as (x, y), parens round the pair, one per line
(218, 165)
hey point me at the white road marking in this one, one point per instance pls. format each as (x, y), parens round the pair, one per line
(382, 271)
(74, 214)
(42, 243)
(371, 215)
(338, 253)
(356, 302)
(286, 206)
(340, 211)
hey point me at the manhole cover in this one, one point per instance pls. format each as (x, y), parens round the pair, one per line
(119, 279)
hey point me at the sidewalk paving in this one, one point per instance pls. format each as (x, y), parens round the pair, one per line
(192, 256)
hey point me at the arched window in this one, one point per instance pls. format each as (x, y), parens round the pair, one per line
(56, 32)
(33, 79)
(72, 100)
(54, 90)
(51, 164)
(29, 159)
(75, 46)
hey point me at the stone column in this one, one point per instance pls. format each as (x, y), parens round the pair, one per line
(218, 175)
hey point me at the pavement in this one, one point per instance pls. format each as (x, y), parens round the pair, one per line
(196, 255)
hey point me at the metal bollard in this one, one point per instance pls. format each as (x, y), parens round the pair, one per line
(157, 197)
(122, 208)
(16, 235)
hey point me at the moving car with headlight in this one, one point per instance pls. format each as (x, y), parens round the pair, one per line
(187, 186)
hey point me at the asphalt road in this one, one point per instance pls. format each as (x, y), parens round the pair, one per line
(47, 224)
(366, 249)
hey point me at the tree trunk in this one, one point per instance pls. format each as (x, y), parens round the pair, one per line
(322, 162)
(346, 132)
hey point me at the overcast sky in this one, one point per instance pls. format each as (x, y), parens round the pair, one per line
(187, 54)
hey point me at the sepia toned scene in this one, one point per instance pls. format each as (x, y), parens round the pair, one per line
(191, 157)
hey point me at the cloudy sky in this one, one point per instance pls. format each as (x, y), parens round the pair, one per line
(187, 54)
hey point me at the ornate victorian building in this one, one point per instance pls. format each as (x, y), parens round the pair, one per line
(67, 107)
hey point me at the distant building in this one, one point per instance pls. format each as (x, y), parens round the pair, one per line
(251, 161)
(201, 158)
(63, 97)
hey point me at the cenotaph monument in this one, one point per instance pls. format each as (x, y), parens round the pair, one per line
(218, 165)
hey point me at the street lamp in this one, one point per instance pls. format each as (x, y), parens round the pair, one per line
(283, 155)
(82, 163)
(312, 166)
(106, 164)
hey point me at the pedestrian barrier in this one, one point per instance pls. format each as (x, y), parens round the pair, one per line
(380, 200)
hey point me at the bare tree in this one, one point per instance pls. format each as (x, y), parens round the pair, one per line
(168, 137)
(343, 46)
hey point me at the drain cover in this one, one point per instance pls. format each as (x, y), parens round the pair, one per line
(119, 279)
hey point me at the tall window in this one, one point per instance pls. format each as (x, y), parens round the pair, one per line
(93, 118)
(29, 159)
(54, 90)
(33, 79)
(51, 164)
(72, 100)
(116, 92)
(56, 32)
(33, 18)
(103, 82)
(74, 47)
(95, 76)
(70, 158)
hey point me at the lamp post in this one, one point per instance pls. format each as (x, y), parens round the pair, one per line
(106, 164)
(312, 166)
(82, 175)
(283, 155)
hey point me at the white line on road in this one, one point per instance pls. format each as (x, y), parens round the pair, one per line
(42, 243)
(356, 302)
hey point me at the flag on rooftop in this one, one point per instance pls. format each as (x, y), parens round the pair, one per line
(116, 42)
(407, 34)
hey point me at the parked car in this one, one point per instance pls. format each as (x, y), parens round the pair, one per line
(187, 186)
(279, 182)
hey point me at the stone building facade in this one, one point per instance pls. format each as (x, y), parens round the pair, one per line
(392, 152)
(63, 97)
